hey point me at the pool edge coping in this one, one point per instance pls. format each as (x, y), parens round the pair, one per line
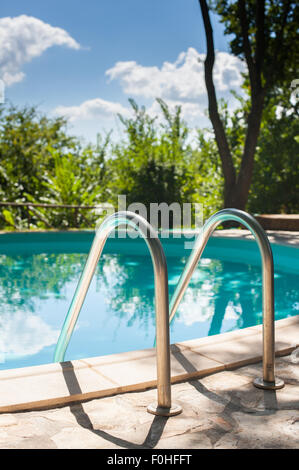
(61, 384)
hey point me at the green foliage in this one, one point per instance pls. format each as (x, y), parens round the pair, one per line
(208, 174)
(263, 34)
(25, 151)
(280, 51)
(275, 182)
(40, 163)
(275, 185)
(156, 161)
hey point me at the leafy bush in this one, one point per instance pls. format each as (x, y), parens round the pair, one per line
(154, 162)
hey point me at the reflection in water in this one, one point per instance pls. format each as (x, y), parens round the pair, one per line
(118, 314)
(23, 334)
(23, 279)
(24, 282)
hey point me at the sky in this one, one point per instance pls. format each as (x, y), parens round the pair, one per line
(84, 60)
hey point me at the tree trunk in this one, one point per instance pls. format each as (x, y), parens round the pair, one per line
(237, 195)
(237, 186)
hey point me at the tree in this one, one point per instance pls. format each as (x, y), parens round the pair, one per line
(41, 163)
(151, 164)
(264, 36)
(275, 183)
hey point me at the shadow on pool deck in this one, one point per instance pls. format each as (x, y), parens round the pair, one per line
(270, 399)
(232, 402)
(82, 418)
(222, 410)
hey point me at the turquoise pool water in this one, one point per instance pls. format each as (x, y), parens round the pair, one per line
(39, 273)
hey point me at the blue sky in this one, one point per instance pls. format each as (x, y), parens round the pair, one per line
(105, 52)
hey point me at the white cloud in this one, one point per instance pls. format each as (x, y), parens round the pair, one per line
(92, 109)
(196, 306)
(182, 80)
(23, 334)
(180, 83)
(23, 38)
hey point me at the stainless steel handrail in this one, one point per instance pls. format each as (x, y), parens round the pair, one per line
(269, 381)
(164, 406)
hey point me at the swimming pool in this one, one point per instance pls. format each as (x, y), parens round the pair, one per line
(39, 273)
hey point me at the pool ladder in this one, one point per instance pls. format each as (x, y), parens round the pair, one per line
(164, 406)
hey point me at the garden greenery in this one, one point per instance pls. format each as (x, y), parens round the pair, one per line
(155, 161)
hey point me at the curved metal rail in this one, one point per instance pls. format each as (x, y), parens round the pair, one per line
(269, 381)
(164, 406)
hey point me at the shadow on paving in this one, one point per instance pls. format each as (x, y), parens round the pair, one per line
(231, 405)
(153, 436)
(270, 398)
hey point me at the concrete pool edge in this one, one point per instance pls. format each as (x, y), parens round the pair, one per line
(54, 385)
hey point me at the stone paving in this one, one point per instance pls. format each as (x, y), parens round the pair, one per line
(220, 411)
(287, 238)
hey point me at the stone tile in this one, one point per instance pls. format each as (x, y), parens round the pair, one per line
(3, 437)
(130, 372)
(80, 438)
(199, 401)
(34, 442)
(35, 424)
(114, 413)
(31, 391)
(288, 373)
(187, 361)
(222, 410)
(284, 237)
(27, 429)
(288, 335)
(228, 441)
(182, 424)
(273, 430)
(58, 417)
(83, 381)
(217, 340)
(286, 330)
(234, 352)
(191, 440)
(288, 397)
(119, 358)
(238, 352)
(42, 370)
(184, 363)
(290, 321)
(250, 370)
(225, 380)
(7, 420)
(223, 423)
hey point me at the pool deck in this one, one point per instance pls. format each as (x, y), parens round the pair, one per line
(281, 237)
(220, 411)
(101, 402)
